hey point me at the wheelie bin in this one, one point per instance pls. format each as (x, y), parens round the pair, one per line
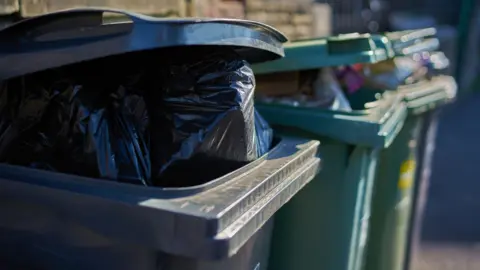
(400, 167)
(326, 225)
(53, 220)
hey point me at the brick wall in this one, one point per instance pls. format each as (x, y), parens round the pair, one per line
(293, 18)
(29, 8)
(218, 9)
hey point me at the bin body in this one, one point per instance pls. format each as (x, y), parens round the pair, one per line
(62, 221)
(327, 223)
(76, 247)
(426, 148)
(58, 221)
(396, 187)
(393, 199)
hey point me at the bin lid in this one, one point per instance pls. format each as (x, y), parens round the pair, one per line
(411, 35)
(71, 36)
(413, 41)
(427, 95)
(327, 51)
(426, 45)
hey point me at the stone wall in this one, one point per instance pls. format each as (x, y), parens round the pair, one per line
(293, 18)
(29, 8)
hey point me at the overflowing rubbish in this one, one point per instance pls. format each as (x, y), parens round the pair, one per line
(330, 88)
(315, 89)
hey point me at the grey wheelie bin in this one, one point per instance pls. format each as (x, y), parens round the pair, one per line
(326, 225)
(57, 220)
(400, 168)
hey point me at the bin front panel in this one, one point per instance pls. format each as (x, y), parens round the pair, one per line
(210, 222)
(325, 226)
(392, 200)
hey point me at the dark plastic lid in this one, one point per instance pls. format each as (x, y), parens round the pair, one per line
(75, 35)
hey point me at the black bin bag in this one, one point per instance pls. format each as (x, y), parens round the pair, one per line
(80, 125)
(203, 122)
(152, 101)
(192, 118)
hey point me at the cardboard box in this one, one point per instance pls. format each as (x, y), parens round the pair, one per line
(278, 84)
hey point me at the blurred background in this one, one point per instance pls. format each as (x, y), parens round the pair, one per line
(451, 229)
(457, 21)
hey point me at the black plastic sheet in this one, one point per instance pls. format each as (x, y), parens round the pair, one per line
(185, 122)
(84, 129)
(206, 126)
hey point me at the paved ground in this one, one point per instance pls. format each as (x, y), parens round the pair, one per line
(451, 228)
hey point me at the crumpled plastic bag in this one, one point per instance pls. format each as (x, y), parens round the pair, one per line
(72, 126)
(183, 122)
(203, 122)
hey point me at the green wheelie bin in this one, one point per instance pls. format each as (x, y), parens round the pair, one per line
(326, 225)
(401, 165)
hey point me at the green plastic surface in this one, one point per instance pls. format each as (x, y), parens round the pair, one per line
(324, 52)
(384, 43)
(419, 97)
(392, 207)
(373, 127)
(426, 45)
(325, 225)
(411, 35)
(413, 41)
(428, 95)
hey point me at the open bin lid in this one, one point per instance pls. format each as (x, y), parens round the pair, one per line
(328, 51)
(71, 36)
(413, 41)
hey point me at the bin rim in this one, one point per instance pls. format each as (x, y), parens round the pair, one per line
(211, 224)
(425, 95)
(409, 42)
(375, 127)
(411, 35)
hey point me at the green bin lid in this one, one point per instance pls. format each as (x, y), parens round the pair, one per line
(329, 51)
(413, 41)
(428, 95)
(419, 97)
(410, 35)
